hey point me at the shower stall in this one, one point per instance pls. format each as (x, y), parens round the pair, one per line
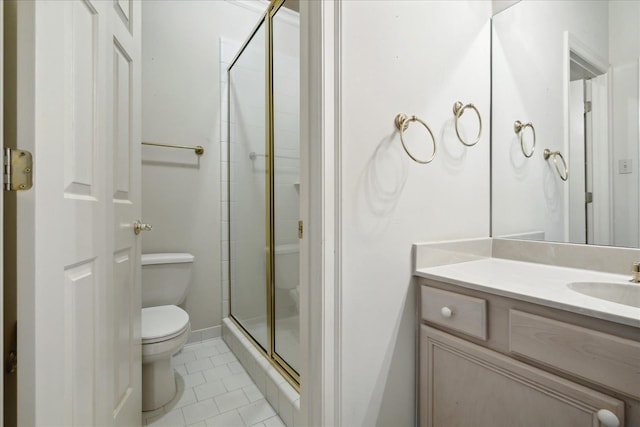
(264, 189)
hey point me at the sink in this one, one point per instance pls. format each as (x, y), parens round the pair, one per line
(615, 292)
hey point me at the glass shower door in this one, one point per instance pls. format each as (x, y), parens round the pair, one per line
(285, 54)
(264, 187)
(248, 180)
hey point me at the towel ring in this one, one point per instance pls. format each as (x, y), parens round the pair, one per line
(402, 123)
(519, 128)
(548, 153)
(458, 110)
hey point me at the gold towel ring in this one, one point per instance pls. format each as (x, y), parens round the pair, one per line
(458, 110)
(519, 128)
(402, 123)
(548, 153)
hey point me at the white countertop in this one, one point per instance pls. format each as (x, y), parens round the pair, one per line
(537, 283)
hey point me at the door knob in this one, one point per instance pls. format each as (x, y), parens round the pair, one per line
(138, 227)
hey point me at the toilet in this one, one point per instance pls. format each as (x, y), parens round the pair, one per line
(165, 326)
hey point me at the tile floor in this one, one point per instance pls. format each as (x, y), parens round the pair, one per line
(213, 390)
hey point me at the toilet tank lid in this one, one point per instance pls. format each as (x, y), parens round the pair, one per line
(172, 258)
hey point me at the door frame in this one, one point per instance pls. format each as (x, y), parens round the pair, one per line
(2, 208)
(25, 261)
(572, 44)
(321, 212)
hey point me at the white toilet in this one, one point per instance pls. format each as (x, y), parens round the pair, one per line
(165, 326)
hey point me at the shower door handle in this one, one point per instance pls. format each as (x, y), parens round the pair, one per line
(138, 227)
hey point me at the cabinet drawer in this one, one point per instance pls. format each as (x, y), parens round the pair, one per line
(458, 312)
(601, 358)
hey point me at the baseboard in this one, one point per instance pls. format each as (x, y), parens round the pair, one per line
(205, 334)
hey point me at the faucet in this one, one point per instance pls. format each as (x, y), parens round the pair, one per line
(635, 272)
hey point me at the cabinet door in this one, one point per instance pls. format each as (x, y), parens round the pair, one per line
(463, 384)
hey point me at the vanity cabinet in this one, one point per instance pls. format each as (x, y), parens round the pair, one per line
(488, 360)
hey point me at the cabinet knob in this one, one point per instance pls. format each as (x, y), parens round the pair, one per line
(608, 418)
(446, 312)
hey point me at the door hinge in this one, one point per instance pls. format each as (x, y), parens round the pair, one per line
(11, 362)
(300, 229)
(587, 106)
(11, 365)
(588, 197)
(18, 170)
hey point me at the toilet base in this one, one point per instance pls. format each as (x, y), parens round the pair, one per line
(158, 376)
(158, 384)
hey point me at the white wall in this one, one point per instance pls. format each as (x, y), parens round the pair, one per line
(528, 85)
(417, 58)
(181, 105)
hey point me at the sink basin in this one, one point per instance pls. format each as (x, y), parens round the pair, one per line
(614, 292)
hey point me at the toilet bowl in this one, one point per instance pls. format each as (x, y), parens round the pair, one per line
(165, 326)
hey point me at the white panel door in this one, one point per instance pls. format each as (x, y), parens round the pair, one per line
(78, 270)
(124, 128)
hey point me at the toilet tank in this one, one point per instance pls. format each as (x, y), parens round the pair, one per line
(165, 278)
(287, 266)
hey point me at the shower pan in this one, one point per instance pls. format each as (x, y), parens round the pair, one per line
(263, 106)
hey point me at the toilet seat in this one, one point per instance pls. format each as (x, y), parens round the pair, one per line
(163, 323)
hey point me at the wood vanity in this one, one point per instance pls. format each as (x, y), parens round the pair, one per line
(487, 359)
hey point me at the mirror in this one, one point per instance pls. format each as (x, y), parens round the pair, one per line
(568, 72)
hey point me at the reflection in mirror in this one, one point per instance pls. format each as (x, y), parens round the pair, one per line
(571, 69)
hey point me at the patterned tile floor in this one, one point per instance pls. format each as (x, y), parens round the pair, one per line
(213, 390)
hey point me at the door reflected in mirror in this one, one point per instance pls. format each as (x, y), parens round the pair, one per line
(570, 69)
